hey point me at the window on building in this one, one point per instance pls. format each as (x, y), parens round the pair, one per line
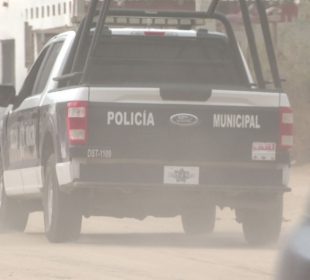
(37, 12)
(65, 8)
(29, 45)
(48, 12)
(8, 61)
(59, 9)
(70, 7)
(54, 10)
(43, 12)
(31, 13)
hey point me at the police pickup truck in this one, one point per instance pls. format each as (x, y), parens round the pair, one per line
(145, 121)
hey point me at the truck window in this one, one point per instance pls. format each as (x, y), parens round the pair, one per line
(140, 60)
(46, 68)
(27, 87)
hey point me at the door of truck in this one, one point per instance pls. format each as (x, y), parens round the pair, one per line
(23, 161)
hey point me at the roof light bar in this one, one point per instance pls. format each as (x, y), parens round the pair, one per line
(155, 21)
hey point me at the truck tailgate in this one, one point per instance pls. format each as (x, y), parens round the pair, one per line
(132, 125)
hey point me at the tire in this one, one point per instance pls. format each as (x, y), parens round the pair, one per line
(199, 220)
(263, 226)
(62, 218)
(13, 216)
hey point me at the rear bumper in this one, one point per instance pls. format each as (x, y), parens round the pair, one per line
(211, 189)
(215, 178)
(126, 200)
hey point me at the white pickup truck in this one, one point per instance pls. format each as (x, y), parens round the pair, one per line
(140, 121)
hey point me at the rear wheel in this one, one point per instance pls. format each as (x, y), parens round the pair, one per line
(13, 216)
(199, 219)
(263, 226)
(62, 217)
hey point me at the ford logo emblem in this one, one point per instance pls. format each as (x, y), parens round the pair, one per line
(183, 119)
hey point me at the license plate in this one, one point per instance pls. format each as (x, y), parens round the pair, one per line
(264, 151)
(181, 175)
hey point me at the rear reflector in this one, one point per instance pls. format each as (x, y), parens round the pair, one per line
(286, 141)
(286, 127)
(79, 112)
(77, 134)
(77, 122)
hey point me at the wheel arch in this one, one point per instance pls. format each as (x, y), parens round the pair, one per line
(49, 144)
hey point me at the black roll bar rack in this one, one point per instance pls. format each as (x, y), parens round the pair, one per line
(79, 69)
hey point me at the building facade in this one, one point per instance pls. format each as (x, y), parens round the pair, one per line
(25, 27)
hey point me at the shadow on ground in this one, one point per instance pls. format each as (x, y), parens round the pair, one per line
(180, 240)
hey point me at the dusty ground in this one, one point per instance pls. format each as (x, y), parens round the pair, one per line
(152, 249)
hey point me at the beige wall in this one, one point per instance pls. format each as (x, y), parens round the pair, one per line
(293, 50)
(202, 5)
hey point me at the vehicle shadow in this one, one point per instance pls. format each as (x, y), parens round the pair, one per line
(220, 240)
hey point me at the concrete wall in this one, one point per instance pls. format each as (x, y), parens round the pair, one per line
(202, 5)
(293, 50)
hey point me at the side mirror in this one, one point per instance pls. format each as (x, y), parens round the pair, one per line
(7, 95)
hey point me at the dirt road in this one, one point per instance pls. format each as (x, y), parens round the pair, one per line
(151, 249)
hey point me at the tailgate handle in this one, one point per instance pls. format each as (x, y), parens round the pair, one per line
(187, 93)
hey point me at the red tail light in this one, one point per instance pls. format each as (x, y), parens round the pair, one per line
(77, 122)
(286, 127)
(154, 33)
